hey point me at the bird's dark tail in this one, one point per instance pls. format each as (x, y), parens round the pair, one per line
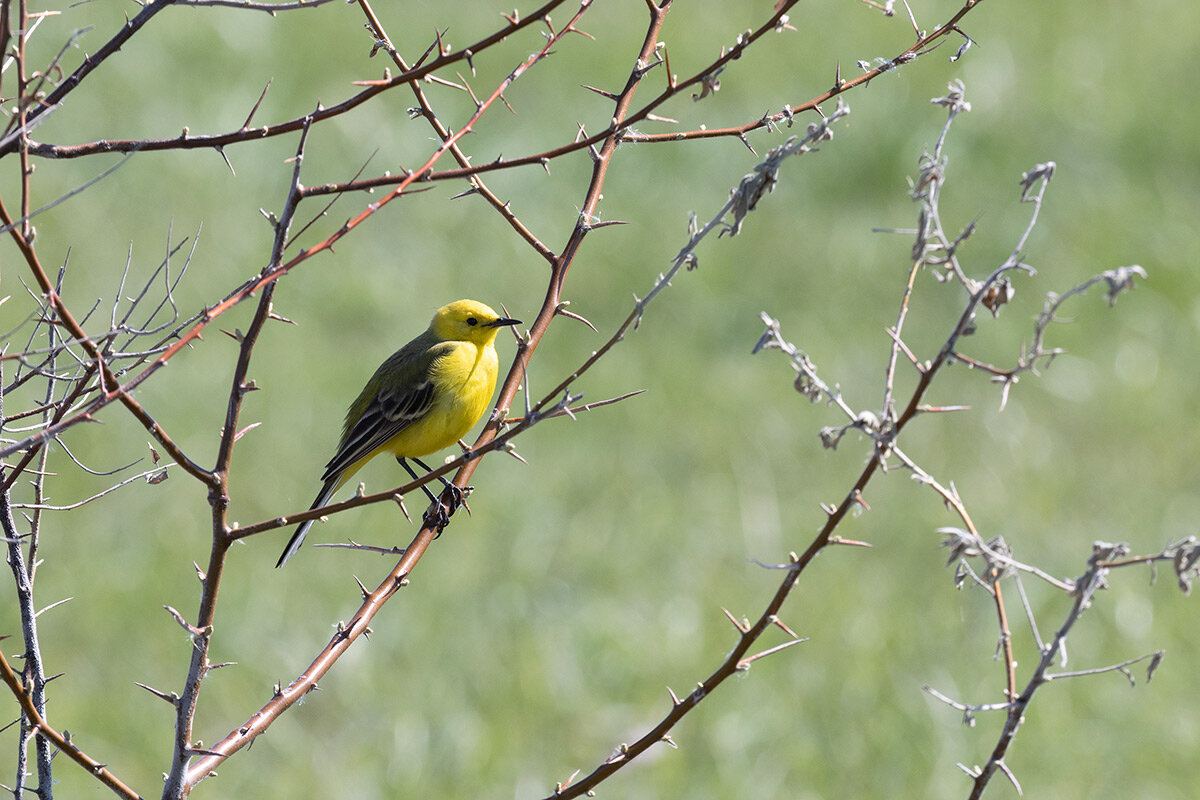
(297, 539)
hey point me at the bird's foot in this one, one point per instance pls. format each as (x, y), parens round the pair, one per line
(437, 516)
(439, 512)
(458, 497)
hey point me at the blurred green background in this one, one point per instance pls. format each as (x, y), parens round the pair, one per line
(540, 633)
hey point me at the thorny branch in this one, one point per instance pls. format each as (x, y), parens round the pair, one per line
(741, 202)
(1083, 589)
(936, 252)
(61, 741)
(97, 381)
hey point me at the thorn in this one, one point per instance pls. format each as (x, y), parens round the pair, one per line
(745, 663)
(601, 92)
(424, 56)
(674, 698)
(443, 82)
(183, 623)
(53, 605)
(399, 498)
(170, 697)
(246, 430)
(597, 225)
(561, 309)
(742, 625)
(474, 99)
(641, 69)
(849, 542)
(904, 348)
(221, 150)
(382, 82)
(776, 621)
(253, 111)
(199, 750)
(512, 451)
(559, 787)
(913, 20)
(365, 592)
(746, 142)
(580, 136)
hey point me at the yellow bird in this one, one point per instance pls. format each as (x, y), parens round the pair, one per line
(425, 397)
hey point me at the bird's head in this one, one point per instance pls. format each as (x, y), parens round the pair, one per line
(468, 321)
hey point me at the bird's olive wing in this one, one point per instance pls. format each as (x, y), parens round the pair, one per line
(398, 398)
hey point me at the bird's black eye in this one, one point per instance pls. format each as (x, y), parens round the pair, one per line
(472, 321)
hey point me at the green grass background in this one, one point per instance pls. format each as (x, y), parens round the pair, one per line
(540, 633)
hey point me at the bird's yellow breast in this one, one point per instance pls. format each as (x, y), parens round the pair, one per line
(464, 379)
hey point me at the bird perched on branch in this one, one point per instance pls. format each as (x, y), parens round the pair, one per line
(425, 397)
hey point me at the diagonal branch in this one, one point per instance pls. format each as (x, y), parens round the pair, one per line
(61, 741)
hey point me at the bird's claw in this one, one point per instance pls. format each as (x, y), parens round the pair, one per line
(439, 512)
(437, 516)
(458, 497)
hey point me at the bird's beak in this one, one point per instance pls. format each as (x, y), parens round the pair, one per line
(500, 323)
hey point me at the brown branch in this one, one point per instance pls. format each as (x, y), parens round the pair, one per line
(251, 5)
(922, 46)
(443, 133)
(148, 12)
(562, 264)
(373, 601)
(99, 363)
(622, 129)
(1010, 661)
(617, 129)
(188, 141)
(176, 785)
(62, 742)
